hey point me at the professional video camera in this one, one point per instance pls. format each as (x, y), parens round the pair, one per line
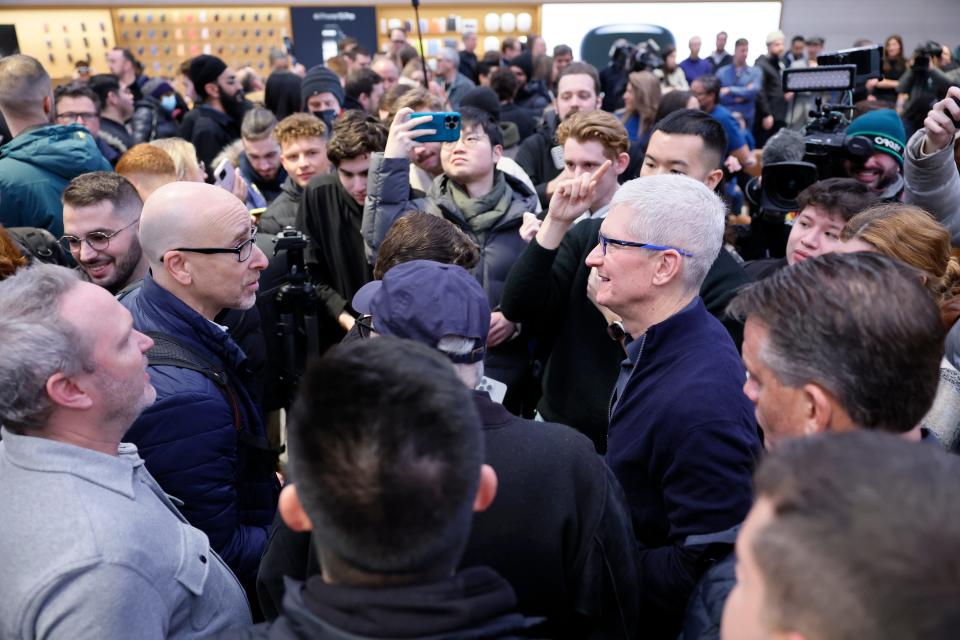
(827, 145)
(645, 57)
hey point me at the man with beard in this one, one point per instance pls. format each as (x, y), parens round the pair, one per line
(540, 156)
(881, 171)
(221, 108)
(101, 215)
(331, 213)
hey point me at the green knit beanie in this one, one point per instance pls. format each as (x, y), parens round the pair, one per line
(884, 129)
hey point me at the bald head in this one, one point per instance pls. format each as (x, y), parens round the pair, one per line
(24, 84)
(191, 214)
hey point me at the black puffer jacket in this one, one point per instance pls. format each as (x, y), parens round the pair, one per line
(151, 121)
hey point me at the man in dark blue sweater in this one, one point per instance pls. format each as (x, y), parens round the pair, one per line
(683, 440)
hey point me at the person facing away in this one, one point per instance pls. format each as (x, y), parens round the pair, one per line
(374, 449)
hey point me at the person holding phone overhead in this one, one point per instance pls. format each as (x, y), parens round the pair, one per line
(487, 204)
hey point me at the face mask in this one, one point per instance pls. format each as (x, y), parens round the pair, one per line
(327, 115)
(169, 103)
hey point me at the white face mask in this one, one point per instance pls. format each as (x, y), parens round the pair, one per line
(169, 102)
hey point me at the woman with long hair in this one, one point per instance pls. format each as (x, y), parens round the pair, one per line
(641, 100)
(894, 65)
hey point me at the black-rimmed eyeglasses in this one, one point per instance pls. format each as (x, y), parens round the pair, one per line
(605, 241)
(243, 250)
(96, 240)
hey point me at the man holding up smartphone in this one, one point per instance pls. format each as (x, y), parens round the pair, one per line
(487, 204)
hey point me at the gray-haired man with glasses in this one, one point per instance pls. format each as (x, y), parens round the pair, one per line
(682, 438)
(101, 212)
(203, 439)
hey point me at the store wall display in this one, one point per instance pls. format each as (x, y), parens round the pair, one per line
(316, 30)
(161, 37)
(59, 38)
(442, 24)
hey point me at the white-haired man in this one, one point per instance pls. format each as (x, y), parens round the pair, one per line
(455, 83)
(682, 437)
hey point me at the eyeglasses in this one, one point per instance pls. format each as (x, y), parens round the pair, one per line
(470, 141)
(96, 240)
(605, 242)
(243, 250)
(365, 325)
(73, 116)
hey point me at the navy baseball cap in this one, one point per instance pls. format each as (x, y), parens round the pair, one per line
(423, 300)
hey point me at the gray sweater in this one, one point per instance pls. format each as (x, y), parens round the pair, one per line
(933, 183)
(93, 548)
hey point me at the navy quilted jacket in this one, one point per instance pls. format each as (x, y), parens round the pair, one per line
(201, 450)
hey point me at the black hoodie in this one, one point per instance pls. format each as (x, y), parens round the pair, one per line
(473, 604)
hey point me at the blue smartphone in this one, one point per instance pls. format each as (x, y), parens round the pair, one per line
(445, 123)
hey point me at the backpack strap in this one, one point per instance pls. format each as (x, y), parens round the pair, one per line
(168, 351)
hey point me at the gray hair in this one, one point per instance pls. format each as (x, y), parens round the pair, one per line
(860, 325)
(24, 83)
(470, 373)
(37, 343)
(680, 212)
(448, 53)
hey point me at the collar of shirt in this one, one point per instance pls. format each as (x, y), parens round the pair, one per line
(115, 473)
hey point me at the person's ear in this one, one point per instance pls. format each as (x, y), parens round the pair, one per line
(668, 267)
(497, 153)
(713, 179)
(487, 490)
(599, 100)
(819, 412)
(291, 510)
(48, 105)
(621, 163)
(67, 393)
(178, 267)
(212, 90)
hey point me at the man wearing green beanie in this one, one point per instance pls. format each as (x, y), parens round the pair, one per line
(882, 170)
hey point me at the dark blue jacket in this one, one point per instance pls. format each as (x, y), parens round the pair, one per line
(683, 442)
(222, 471)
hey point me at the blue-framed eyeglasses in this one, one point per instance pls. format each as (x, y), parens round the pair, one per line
(605, 241)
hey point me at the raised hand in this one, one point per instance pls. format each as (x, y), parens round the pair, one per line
(403, 137)
(573, 196)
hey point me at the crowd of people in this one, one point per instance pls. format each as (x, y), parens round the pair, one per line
(276, 363)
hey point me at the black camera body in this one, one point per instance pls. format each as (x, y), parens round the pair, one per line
(645, 57)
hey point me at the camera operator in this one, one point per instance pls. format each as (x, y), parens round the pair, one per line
(613, 77)
(882, 170)
(924, 82)
(932, 181)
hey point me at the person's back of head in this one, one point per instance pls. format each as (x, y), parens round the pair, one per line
(26, 96)
(184, 156)
(11, 256)
(421, 236)
(504, 83)
(148, 167)
(853, 535)
(786, 145)
(680, 212)
(374, 450)
(646, 97)
(673, 101)
(858, 327)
